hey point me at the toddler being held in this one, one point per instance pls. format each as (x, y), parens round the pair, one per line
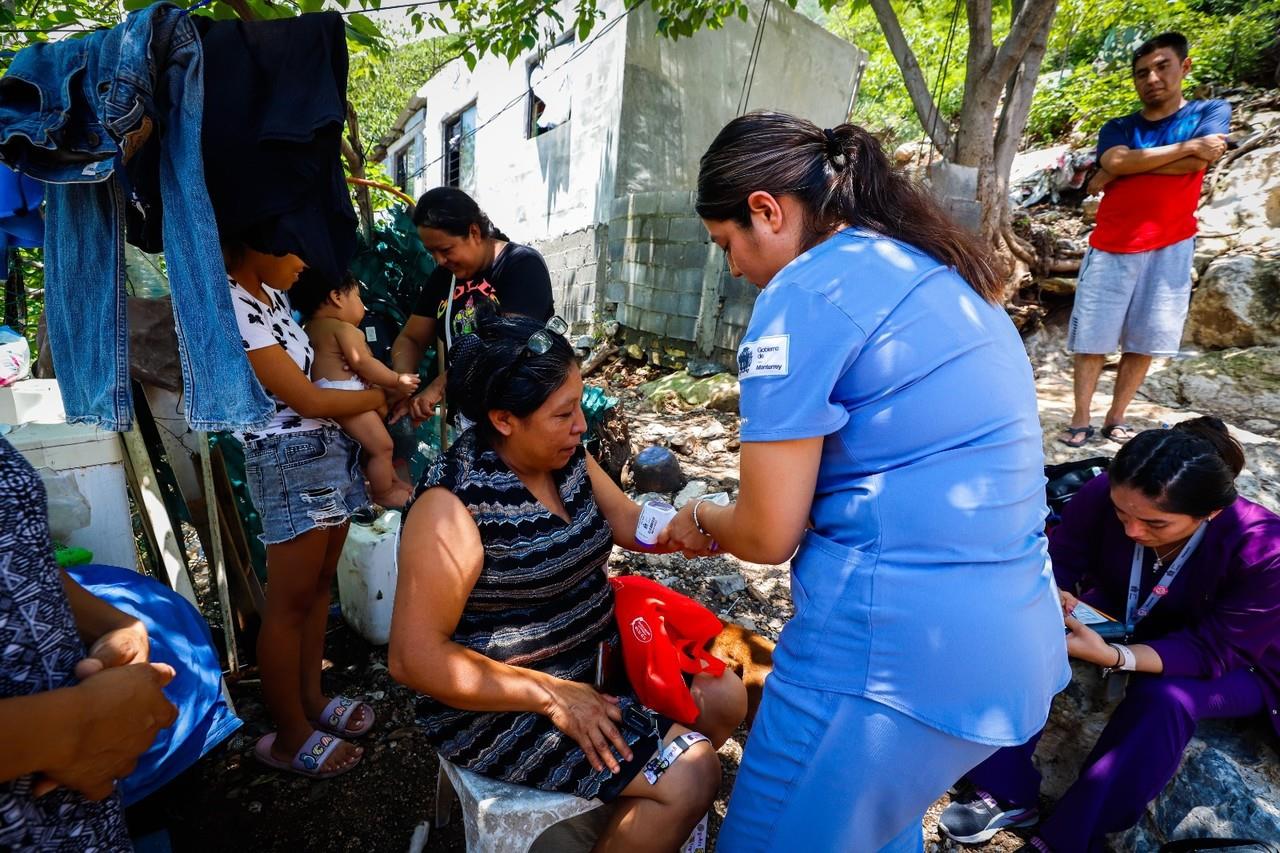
(344, 361)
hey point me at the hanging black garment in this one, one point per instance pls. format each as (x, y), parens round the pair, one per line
(275, 100)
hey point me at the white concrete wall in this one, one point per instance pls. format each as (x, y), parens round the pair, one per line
(556, 183)
(677, 95)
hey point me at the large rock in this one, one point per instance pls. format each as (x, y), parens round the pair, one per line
(1228, 784)
(1237, 385)
(1237, 304)
(679, 389)
(1244, 204)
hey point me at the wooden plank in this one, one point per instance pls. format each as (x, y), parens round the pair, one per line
(215, 559)
(236, 537)
(247, 597)
(131, 480)
(155, 518)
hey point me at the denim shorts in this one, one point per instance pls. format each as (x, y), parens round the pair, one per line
(303, 480)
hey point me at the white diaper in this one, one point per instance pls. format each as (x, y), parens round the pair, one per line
(355, 383)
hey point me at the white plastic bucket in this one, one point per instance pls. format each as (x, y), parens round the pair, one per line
(367, 577)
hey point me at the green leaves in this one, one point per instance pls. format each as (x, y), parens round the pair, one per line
(363, 30)
(381, 83)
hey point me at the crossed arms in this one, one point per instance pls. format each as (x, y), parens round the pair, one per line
(1181, 158)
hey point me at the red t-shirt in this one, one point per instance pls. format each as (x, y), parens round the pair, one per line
(1144, 212)
(1140, 213)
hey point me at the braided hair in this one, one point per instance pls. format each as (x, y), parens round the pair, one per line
(1190, 469)
(492, 369)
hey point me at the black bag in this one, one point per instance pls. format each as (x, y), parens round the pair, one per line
(1231, 845)
(1068, 478)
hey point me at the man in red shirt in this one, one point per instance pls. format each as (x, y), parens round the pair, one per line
(1135, 281)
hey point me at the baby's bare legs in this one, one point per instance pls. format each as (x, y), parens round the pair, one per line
(371, 433)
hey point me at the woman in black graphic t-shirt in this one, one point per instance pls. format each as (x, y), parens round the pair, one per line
(477, 267)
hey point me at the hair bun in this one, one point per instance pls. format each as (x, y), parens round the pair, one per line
(835, 148)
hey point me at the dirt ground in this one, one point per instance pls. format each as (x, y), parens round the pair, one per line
(227, 802)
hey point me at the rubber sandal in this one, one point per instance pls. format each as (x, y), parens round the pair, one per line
(309, 760)
(1109, 433)
(339, 711)
(1079, 436)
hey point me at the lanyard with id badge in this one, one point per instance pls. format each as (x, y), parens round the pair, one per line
(635, 717)
(1133, 613)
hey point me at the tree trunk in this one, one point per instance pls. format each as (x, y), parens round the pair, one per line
(1013, 121)
(353, 151)
(917, 87)
(981, 150)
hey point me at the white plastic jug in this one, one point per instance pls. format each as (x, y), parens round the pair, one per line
(367, 577)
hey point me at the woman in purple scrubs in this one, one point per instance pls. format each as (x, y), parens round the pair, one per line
(1164, 544)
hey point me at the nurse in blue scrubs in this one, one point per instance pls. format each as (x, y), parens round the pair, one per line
(889, 431)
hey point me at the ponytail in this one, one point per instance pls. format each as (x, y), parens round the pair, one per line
(842, 178)
(1190, 469)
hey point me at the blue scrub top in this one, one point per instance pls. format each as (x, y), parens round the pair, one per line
(925, 582)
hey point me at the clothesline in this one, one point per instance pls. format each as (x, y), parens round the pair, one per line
(64, 28)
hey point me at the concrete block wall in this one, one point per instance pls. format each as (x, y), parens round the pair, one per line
(576, 262)
(661, 264)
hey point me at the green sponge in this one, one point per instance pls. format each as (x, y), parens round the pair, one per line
(65, 557)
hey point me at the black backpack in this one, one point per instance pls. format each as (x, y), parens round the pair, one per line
(1230, 845)
(1068, 478)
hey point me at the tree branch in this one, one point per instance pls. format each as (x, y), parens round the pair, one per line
(1017, 101)
(979, 12)
(353, 151)
(1033, 20)
(917, 86)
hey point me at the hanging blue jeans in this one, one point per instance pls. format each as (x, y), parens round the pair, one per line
(71, 114)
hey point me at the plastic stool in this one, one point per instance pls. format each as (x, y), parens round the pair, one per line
(503, 818)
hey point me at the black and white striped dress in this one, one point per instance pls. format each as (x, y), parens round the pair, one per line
(542, 602)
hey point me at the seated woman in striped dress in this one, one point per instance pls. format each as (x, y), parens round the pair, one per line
(502, 602)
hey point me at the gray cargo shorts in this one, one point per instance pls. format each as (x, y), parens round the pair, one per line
(1134, 302)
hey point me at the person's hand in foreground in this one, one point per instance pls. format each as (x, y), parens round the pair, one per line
(682, 535)
(589, 718)
(119, 647)
(1083, 643)
(116, 714)
(422, 406)
(1069, 602)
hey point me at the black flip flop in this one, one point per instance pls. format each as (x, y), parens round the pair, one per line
(1076, 432)
(1109, 432)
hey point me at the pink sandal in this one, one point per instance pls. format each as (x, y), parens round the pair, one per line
(339, 712)
(309, 760)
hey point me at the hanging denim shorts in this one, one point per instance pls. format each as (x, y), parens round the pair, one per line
(303, 480)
